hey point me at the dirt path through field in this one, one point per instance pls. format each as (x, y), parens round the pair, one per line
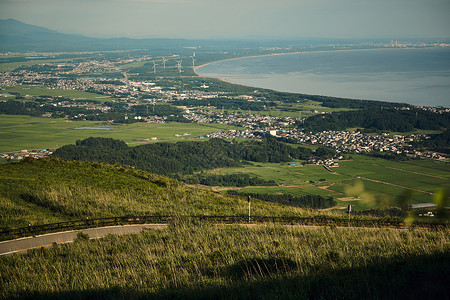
(396, 185)
(326, 188)
(386, 183)
(413, 172)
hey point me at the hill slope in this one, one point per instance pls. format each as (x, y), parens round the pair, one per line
(52, 190)
(200, 261)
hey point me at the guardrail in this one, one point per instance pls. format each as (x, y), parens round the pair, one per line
(124, 220)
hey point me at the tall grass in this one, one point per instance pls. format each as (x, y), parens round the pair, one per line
(52, 190)
(194, 260)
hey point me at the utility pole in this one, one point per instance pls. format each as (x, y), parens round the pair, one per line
(249, 208)
(349, 208)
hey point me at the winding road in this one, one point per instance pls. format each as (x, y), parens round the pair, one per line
(47, 240)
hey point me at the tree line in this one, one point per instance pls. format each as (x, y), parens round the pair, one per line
(327, 101)
(437, 142)
(238, 180)
(184, 157)
(399, 120)
(239, 104)
(306, 201)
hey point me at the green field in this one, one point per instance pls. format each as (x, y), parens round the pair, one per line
(137, 64)
(382, 177)
(310, 105)
(284, 174)
(33, 90)
(8, 67)
(25, 132)
(364, 182)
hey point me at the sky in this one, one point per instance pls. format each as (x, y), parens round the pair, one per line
(237, 18)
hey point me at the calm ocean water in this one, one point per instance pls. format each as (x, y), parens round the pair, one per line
(414, 76)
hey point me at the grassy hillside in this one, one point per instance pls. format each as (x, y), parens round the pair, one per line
(195, 261)
(52, 190)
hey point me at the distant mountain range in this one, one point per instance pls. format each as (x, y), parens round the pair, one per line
(18, 36)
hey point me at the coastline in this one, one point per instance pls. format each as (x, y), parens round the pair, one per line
(286, 53)
(273, 54)
(328, 93)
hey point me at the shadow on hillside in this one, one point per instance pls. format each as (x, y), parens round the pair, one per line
(416, 277)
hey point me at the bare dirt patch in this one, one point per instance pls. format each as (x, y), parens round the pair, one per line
(349, 199)
(324, 187)
(334, 207)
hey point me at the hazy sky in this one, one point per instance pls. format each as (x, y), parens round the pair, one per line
(236, 18)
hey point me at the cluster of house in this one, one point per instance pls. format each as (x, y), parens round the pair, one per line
(428, 154)
(228, 134)
(25, 153)
(357, 142)
(343, 141)
(327, 163)
(242, 119)
(49, 73)
(436, 110)
(354, 141)
(79, 104)
(24, 77)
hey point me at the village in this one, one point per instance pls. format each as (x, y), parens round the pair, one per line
(138, 92)
(343, 141)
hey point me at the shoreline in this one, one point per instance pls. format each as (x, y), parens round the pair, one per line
(271, 54)
(195, 69)
(289, 53)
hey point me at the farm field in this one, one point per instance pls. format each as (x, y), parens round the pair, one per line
(423, 180)
(25, 132)
(284, 174)
(34, 90)
(7, 67)
(364, 182)
(430, 164)
(310, 105)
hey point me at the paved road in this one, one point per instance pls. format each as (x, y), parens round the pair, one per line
(46, 240)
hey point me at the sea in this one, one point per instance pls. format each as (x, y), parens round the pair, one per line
(405, 75)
